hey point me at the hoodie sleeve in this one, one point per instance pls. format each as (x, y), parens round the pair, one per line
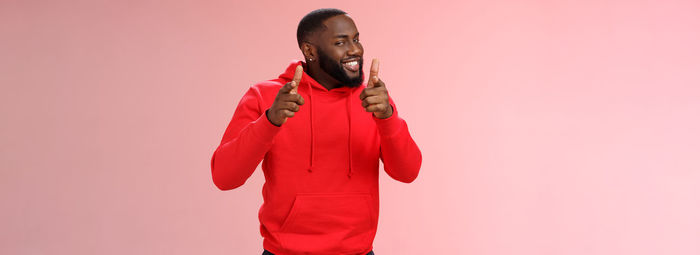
(248, 137)
(400, 154)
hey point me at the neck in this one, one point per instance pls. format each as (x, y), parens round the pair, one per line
(322, 77)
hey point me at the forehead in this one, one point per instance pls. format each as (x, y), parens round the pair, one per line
(339, 25)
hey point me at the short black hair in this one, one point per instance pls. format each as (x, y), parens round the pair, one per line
(314, 21)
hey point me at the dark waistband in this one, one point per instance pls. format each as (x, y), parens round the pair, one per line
(265, 252)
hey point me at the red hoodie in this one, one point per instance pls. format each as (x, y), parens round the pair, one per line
(321, 167)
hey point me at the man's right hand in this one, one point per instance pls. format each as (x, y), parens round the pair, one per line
(287, 101)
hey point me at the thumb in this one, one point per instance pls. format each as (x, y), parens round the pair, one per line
(297, 79)
(373, 72)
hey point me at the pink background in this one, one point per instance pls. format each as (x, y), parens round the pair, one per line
(547, 127)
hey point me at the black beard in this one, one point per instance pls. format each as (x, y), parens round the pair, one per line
(336, 70)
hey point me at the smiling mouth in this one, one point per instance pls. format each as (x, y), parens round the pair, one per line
(352, 66)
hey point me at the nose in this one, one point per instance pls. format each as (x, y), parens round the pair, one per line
(355, 49)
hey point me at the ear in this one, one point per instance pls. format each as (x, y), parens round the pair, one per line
(309, 51)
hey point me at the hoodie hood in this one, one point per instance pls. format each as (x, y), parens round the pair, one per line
(310, 85)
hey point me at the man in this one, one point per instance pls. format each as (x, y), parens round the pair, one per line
(319, 132)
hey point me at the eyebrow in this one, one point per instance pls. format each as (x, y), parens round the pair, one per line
(344, 35)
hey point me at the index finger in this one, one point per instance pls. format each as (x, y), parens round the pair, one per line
(287, 88)
(297, 78)
(373, 71)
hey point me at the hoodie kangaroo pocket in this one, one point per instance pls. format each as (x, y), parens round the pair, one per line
(328, 223)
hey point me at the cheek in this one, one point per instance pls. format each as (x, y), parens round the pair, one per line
(338, 55)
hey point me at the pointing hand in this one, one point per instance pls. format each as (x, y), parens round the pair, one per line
(287, 101)
(375, 98)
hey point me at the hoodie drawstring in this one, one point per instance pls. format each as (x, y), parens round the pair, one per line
(347, 108)
(311, 124)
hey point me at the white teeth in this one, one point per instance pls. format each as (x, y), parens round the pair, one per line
(351, 63)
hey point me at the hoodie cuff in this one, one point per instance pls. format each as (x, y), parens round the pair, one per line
(390, 126)
(263, 129)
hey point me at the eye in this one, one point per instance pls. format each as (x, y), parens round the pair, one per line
(356, 40)
(339, 43)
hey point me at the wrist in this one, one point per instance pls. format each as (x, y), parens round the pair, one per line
(267, 114)
(386, 114)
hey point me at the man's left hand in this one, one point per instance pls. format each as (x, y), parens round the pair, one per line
(375, 97)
